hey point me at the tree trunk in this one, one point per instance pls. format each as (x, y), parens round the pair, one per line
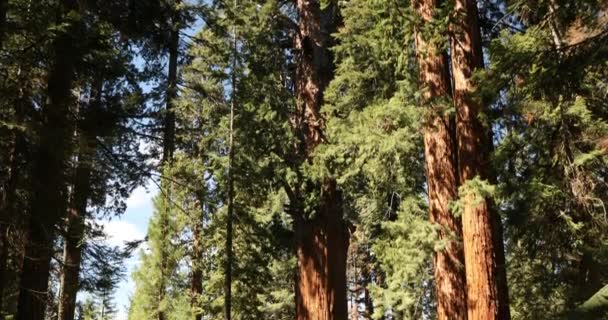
(196, 285)
(168, 150)
(72, 250)
(322, 245)
(321, 240)
(8, 205)
(77, 213)
(442, 180)
(49, 192)
(9, 197)
(487, 296)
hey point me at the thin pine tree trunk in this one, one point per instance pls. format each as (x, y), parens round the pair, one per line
(321, 241)
(49, 192)
(230, 204)
(72, 250)
(196, 284)
(442, 175)
(168, 150)
(482, 233)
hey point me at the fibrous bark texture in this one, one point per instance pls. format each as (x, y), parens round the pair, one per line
(322, 245)
(442, 174)
(487, 296)
(321, 237)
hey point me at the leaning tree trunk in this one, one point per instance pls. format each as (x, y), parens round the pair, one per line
(487, 296)
(442, 179)
(321, 240)
(48, 201)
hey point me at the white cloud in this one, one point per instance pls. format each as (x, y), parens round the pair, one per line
(119, 231)
(139, 197)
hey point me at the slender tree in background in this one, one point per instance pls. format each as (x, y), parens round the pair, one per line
(49, 191)
(168, 144)
(442, 175)
(322, 237)
(487, 295)
(230, 196)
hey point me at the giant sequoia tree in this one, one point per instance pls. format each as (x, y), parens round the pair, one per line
(321, 234)
(441, 161)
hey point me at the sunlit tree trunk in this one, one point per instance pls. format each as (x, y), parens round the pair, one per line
(321, 240)
(322, 244)
(442, 174)
(487, 296)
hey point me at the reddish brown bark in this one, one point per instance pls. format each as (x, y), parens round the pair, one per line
(442, 180)
(482, 233)
(322, 244)
(322, 238)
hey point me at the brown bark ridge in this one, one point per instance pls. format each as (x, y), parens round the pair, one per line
(487, 295)
(321, 240)
(441, 166)
(49, 192)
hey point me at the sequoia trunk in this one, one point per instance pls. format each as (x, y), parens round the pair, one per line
(442, 180)
(49, 192)
(487, 296)
(322, 245)
(321, 236)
